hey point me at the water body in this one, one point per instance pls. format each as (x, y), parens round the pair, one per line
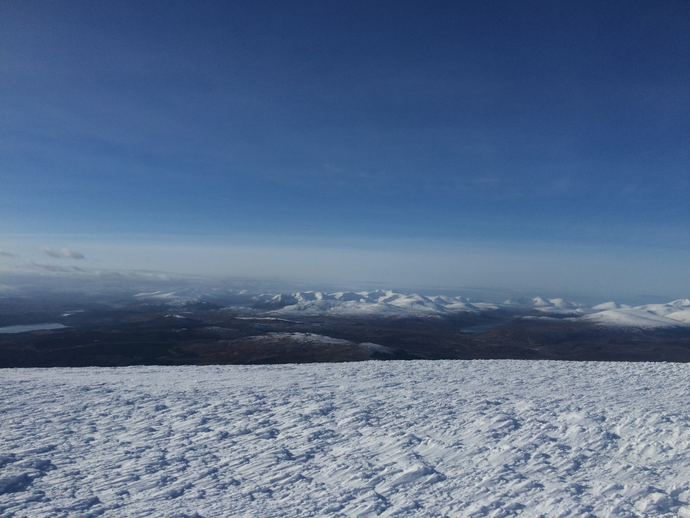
(32, 327)
(479, 329)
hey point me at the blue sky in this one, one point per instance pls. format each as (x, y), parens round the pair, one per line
(502, 130)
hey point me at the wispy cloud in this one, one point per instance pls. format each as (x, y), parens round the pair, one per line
(54, 268)
(63, 253)
(6, 254)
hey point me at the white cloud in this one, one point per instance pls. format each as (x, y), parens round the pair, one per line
(53, 268)
(6, 254)
(536, 268)
(63, 253)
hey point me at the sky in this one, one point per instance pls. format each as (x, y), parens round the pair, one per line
(533, 145)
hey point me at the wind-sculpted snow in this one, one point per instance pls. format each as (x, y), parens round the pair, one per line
(446, 438)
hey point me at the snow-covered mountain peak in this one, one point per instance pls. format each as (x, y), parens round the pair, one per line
(521, 301)
(348, 296)
(308, 296)
(557, 305)
(539, 302)
(672, 314)
(182, 296)
(609, 305)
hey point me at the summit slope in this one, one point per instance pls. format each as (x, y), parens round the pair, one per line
(447, 438)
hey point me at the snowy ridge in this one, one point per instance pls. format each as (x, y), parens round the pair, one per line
(391, 304)
(185, 296)
(377, 303)
(673, 314)
(558, 306)
(317, 339)
(445, 438)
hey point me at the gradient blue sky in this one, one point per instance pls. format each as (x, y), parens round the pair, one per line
(479, 134)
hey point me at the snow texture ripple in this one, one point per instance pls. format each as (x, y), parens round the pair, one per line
(444, 438)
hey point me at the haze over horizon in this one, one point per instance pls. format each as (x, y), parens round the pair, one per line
(528, 146)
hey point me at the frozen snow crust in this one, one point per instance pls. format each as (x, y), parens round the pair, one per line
(445, 438)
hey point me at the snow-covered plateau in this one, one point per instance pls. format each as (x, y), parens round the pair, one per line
(419, 438)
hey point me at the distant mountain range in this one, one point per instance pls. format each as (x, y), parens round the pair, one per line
(391, 304)
(208, 325)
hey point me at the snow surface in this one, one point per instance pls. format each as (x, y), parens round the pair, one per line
(444, 438)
